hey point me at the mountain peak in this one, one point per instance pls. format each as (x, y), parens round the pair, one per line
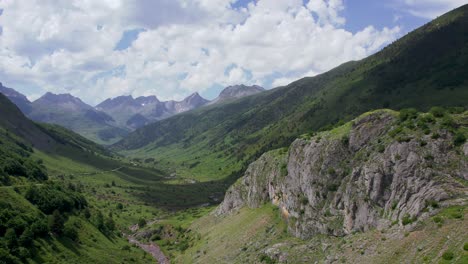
(17, 98)
(144, 100)
(195, 99)
(65, 101)
(237, 91)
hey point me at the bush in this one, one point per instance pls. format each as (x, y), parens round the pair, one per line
(266, 259)
(448, 123)
(56, 222)
(70, 229)
(437, 111)
(26, 237)
(40, 227)
(459, 139)
(432, 203)
(408, 114)
(119, 206)
(407, 219)
(435, 136)
(381, 148)
(448, 255)
(465, 246)
(395, 131)
(141, 222)
(10, 238)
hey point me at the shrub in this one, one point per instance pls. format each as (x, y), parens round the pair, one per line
(266, 259)
(126, 247)
(141, 222)
(448, 122)
(448, 255)
(26, 237)
(332, 187)
(459, 139)
(407, 219)
(381, 148)
(437, 219)
(437, 111)
(56, 222)
(432, 203)
(465, 246)
(408, 113)
(395, 131)
(70, 229)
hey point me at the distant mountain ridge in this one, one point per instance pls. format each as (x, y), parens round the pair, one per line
(113, 118)
(17, 98)
(133, 113)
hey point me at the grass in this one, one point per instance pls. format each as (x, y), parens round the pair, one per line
(232, 238)
(220, 240)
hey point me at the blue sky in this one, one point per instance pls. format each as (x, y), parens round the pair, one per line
(172, 48)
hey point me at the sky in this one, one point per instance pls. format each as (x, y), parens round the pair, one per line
(172, 48)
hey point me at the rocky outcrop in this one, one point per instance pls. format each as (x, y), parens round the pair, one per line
(369, 173)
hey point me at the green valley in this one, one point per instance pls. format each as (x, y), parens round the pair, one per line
(365, 163)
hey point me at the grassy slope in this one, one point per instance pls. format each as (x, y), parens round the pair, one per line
(245, 236)
(213, 142)
(99, 131)
(104, 180)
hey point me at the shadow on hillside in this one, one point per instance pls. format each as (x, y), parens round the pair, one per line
(176, 197)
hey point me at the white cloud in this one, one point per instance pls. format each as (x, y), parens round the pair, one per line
(429, 9)
(188, 45)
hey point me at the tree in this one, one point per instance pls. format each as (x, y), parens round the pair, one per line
(10, 238)
(56, 222)
(40, 227)
(26, 237)
(70, 229)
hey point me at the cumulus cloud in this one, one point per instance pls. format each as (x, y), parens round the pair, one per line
(430, 9)
(186, 45)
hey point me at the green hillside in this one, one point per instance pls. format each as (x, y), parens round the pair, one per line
(64, 199)
(423, 69)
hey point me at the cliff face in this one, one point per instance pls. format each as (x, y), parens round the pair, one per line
(372, 172)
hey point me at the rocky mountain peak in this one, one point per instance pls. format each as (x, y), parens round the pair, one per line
(237, 91)
(144, 100)
(66, 101)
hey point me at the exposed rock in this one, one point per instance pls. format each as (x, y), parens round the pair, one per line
(135, 113)
(235, 92)
(353, 178)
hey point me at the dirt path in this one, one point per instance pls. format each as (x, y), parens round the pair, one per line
(152, 249)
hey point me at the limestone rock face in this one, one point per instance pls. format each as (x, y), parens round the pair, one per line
(353, 178)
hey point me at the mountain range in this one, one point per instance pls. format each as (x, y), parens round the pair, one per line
(113, 118)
